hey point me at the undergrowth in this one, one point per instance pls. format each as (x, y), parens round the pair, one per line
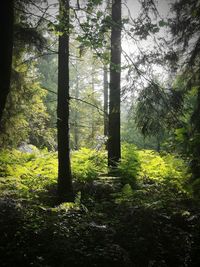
(130, 225)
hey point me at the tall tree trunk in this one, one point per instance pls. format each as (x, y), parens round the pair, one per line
(76, 117)
(92, 136)
(105, 89)
(65, 190)
(6, 48)
(114, 148)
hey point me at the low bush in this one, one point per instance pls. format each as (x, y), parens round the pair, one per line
(167, 168)
(106, 226)
(27, 175)
(158, 180)
(87, 164)
(129, 165)
(31, 175)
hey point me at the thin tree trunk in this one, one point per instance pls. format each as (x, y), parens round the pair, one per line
(158, 144)
(65, 190)
(76, 117)
(6, 48)
(105, 89)
(92, 109)
(114, 148)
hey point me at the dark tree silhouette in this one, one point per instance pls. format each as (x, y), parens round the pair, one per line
(6, 48)
(114, 149)
(65, 190)
(105, 85)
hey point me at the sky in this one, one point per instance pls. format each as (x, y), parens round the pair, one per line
(133, 6)
(129, 7)
(162, 5)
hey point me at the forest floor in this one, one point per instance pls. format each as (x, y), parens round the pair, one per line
(110, 224)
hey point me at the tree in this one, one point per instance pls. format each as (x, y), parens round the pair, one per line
(65, 189)
(6, 48)
(86, 111)
(17, 30)
(152, 112)
(25, 118)
(114, 149)
(185, 30)
(76, 115)
(105, 90)
(24, 114)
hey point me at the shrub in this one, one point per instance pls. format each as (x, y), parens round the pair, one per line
(152, 165)
(159, 178)
(129, 165)
(26, 175)
(87, 164)
(30, 175)
(165, 168)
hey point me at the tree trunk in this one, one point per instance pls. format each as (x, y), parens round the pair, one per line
(114, 148)
(92, 136)
(105, 89)
(6, 48)
(158, 145)
(65, 190)
(76, 116)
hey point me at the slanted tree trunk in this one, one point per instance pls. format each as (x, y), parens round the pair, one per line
(114, 148)
(6, 48)
(105, 89)
(65, 190)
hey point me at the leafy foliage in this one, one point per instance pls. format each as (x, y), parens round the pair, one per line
(185, 30)
(87, 164)
(129, 165)
(27, 175)
(25, 117)
(159, 180)
(32, 175)
(157, 108)
(99, 229)
(158, 167)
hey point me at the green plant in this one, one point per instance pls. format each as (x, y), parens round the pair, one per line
(125, 195)
(161, 178)
(152, 165)
(87, 164)
(163, 168)
(129, 165)
(27, 175)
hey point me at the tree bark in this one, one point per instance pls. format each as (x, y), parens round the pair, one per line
(65, 189)
(76, 116)
(92, 136)
(105, 89)
(114, 147)
(6, 48)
